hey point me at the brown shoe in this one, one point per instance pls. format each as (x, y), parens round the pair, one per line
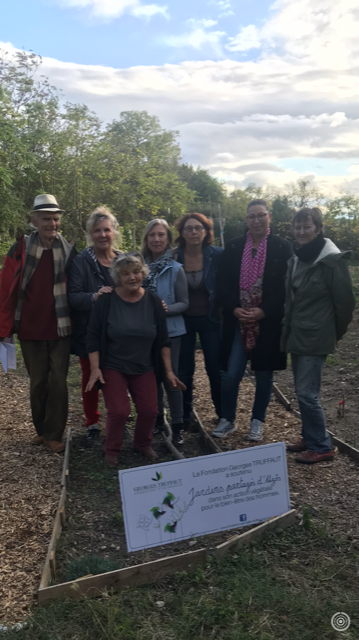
(311, 457)
(112, 461)
(56, 447)
(38, 440)
(148, 453)
(297, 447)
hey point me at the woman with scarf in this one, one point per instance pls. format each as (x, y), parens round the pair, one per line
(251, 294)
(167, 279)
(89, 279)
(319, 307)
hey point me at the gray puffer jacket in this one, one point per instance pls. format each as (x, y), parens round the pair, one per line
(318, 313)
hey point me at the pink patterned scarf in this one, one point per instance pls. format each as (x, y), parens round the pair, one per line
(250, 287)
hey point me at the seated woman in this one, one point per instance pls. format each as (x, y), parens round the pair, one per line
(88, 279)
(319, 307)
(167, 278)
(251, 293)
(200, 260)
(129, 350)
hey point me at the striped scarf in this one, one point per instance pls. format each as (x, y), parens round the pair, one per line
(60, 250)
(154, 270)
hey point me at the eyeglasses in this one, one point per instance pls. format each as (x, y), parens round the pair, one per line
(189, 229)
(260, 216)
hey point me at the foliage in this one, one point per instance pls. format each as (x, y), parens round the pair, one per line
(132, 165)
(89, 565)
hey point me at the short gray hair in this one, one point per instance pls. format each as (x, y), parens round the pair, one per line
(125, 259)
(144, 247)
(102, 213)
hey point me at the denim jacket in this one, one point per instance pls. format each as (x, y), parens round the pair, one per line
(211, 256)
(166, 283)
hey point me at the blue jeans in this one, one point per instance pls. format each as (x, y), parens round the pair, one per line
(232, 378)
(210, 337)
(307, 371)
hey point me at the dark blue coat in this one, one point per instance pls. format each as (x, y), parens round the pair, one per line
(266, 356)
(211, 256)
(84, 280)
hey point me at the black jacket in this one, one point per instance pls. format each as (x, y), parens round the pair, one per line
(97, 331)
(84, 280)
(266, 356)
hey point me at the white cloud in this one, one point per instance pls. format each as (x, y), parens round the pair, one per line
(197, 38)
(294, 104)
(206, 23)
(248, 38)
(149, 10)
(108, 9)
(224, 6)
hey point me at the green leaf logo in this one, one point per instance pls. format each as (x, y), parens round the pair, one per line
(158, 477)
(168, 500)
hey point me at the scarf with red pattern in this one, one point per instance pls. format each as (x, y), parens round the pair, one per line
(250, 286)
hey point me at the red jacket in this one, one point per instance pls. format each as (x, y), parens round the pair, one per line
(10, 281)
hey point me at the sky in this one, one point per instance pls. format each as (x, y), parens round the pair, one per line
(260, 92)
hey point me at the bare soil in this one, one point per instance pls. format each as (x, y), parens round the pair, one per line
(30, 490)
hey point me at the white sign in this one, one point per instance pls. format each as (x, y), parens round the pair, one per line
(8, 353)
(183, 499)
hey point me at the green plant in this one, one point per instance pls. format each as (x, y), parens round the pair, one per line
(87, 565)
(116, 519)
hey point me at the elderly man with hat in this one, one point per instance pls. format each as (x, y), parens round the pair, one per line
(33, 304)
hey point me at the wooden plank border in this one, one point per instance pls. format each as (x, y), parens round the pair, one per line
(344, 447)
(50, 563)
(92, 586)
(208, 440)
(65, 477)
(136, 575)
(280, 522)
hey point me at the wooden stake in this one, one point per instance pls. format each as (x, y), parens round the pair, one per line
(208, 440)
(65, 468)
(281, 397)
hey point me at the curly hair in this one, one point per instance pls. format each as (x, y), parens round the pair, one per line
(207, 224)
(133, 258)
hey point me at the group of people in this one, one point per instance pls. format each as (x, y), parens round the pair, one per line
(133, 320)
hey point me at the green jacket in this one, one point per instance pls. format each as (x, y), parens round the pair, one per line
(317, 315)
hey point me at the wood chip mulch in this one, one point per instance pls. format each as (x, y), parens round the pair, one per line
(30, 489)
(330, 488)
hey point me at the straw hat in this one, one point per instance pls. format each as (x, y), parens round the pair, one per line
(46, 202)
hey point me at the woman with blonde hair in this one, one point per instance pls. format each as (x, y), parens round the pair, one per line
(129, 351)
(167, 279)
(89, 278)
